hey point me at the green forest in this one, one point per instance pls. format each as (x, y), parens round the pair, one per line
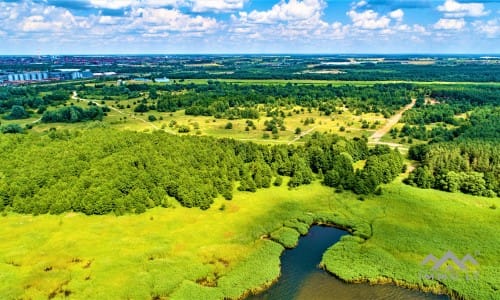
(103, 170)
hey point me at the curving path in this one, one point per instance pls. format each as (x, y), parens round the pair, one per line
(75, 97)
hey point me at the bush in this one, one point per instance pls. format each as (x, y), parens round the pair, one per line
(184, 129)
(17, 112)
(278, 181)
(11, 128)
(229, 125)
(151, 118)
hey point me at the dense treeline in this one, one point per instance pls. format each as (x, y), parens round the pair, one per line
(238, 100)
(72, 114)
(387, 71)
(469, 166)
(466, 158)
(481, 124)
(450, 101)
(33, 97)
(102, 170)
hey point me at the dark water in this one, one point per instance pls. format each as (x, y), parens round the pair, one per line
(302, 279)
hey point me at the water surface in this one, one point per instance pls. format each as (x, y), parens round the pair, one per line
(302, 279)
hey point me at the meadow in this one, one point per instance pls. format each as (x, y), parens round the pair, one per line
(228, 250)
(122, 116)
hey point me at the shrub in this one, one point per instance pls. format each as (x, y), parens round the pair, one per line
(278, 181)
(11, 128)
(184, 129)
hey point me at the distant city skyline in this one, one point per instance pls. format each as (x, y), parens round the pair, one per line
(56, 27)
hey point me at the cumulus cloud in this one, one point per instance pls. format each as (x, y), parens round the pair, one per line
(489, 28)
(294, 10)
(194, 5)
(43, 19)
(161, 19)
(111, 4)
(298, 20)
(217, 5)
(450, 24)
(397, 14)
(360, 4)
(368, 19)
(454, 9)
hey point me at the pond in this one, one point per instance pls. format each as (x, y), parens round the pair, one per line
(302, 279)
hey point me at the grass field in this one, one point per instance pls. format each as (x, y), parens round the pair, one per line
(126, 119)
(183, 253)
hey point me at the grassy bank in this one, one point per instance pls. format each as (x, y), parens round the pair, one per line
(184, 253)
(408, 225)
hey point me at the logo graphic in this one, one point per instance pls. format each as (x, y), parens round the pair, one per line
(453, 264)
(449, 256)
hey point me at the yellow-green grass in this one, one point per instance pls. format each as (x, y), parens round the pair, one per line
(181, 252)
(407, 225)
(203, 125)
(127, 119)
(137, 256)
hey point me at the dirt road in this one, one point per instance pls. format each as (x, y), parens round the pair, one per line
(375, 138)
(75, 97)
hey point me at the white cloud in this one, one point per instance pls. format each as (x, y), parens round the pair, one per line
(161, 19)
(287, 20)
(112, 4)
(454, 9)
(360, 4)
(368, 19)
(397, 14)
(450, 24)
(161, 3)
(294, 10)
(419, 29)
(489, 28)
(217, 5)
(194, 5)
(47, 19)
(108, 20)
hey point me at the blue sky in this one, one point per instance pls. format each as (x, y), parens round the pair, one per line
(248, 26)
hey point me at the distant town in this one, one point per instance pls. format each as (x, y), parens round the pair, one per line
(21, 70)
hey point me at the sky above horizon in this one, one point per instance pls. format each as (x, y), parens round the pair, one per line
(248, 26)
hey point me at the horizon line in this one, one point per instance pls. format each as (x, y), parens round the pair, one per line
(254, 53)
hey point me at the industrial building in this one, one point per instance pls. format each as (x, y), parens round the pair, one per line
(58, 74)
